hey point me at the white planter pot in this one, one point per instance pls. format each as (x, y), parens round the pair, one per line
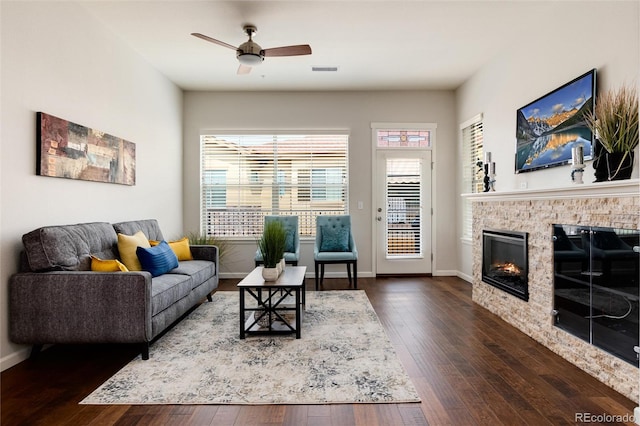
(270, 274)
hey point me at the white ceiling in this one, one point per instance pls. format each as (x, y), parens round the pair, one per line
(376, 45)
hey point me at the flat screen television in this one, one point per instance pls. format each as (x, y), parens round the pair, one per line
(547, 128)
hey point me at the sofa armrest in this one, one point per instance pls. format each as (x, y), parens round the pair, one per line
(80, 307)
(206, 252)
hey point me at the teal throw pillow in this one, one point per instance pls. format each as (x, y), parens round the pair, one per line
(334, 239)
(158, 260)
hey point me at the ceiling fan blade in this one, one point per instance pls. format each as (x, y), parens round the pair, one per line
(297, 50)
(213, 40)
(244, 69)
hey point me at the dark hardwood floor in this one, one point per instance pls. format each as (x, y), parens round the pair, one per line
(469, 367)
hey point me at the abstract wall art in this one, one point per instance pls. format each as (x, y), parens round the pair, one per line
(72, 151)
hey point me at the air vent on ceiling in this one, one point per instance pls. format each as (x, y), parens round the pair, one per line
(331, 69)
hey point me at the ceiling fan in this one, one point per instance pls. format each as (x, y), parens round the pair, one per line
(250, 53)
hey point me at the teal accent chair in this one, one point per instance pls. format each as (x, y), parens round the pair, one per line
(292, 247)
(335, 244)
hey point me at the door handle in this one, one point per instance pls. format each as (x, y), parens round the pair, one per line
(379, 219)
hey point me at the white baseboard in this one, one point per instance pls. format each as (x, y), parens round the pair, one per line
(309, 274)
(467, 278)
(14, 358)
(444, 273)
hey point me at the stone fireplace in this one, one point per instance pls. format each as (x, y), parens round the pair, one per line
(607, 204)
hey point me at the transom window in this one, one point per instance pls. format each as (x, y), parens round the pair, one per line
(245, 177)
(395, 138)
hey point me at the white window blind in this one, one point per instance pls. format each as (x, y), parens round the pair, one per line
(245, 177)
(472, 178)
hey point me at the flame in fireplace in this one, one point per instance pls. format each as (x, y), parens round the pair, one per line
(507, 268)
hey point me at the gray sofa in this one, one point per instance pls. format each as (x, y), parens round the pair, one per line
(56, 298)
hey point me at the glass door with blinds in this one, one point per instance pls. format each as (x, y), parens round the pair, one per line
(403, 213)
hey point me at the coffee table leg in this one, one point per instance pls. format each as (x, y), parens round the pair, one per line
(241, 313)
(298, 313)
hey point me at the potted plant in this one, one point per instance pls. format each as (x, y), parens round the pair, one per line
(271, 245)
(614, 121)
(202, 239)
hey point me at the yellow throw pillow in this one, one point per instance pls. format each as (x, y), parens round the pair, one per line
(107, 265)
(180, 248)
(127, 245)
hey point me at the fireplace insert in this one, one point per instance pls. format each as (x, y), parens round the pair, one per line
(505, 261)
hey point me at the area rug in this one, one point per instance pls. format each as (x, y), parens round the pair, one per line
(344, 356)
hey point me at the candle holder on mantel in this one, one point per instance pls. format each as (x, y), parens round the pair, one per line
(489, 177)
(577, 164)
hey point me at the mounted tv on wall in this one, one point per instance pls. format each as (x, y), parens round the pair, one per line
(547, 128)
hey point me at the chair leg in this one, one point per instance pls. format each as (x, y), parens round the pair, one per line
(317, 276)
(355, 275)
(349, 272)
(322, 275)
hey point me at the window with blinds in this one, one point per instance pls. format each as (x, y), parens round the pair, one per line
(246, 177)
(472, 178)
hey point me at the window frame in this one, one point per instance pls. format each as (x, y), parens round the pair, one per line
(472, 145)
(288, 176)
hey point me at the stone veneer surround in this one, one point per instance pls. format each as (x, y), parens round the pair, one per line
(604, 204)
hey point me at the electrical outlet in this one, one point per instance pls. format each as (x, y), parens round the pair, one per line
(523, 185)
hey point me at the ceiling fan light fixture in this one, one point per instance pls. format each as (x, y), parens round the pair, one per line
(250, 59)
(250, 54)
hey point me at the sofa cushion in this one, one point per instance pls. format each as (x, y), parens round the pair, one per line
(167, 289)
(68, 247)
(158, 260)
(150, 228)
(198, 270)
(127, 246)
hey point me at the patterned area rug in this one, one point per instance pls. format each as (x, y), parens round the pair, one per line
(344, 356)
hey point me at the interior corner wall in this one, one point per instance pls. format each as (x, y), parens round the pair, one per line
(56, 58)
(603, 34)
(351, 111)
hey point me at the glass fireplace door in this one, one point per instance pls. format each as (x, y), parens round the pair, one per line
(596, 274)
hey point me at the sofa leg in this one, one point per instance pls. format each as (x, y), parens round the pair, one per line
(145, 351)
(209, 297)
(35, 350)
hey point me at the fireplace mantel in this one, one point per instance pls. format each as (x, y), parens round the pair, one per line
(629, 187)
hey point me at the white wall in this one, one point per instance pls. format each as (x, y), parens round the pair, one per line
(353, 111)
(603, 35)
(56, 58)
